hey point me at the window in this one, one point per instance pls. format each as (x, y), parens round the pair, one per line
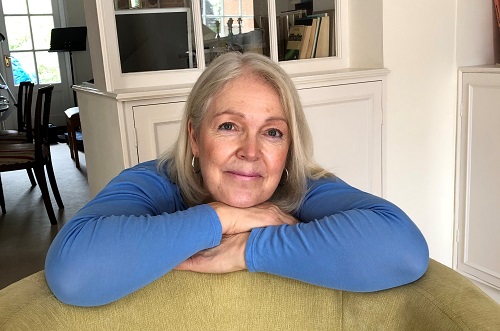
(223, 16)
(28, 26)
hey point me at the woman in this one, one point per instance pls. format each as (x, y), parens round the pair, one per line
(238, 191)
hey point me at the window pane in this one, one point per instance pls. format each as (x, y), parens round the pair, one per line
(234, 25)
(40, 6)
(23, 67)
(48, 67)
(14, 7)
(42, 27)
(18, 33)
(232, 8)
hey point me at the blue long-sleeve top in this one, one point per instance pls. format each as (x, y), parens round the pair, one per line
(138, 228)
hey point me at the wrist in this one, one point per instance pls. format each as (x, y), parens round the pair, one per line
(242, 249)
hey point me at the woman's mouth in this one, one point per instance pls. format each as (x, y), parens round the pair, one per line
(245, 175)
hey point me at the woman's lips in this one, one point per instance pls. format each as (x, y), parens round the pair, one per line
(245, 175)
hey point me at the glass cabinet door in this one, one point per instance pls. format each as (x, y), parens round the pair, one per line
(157, 35)
(234, 25)
(154, 35)
(305, 29)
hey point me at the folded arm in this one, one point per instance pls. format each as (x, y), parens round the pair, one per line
(348, 240)
(130, 234)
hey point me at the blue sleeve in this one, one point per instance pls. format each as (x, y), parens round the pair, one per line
(347, 240)
(133, 232)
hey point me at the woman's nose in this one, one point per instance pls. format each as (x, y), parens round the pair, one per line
(249, 148)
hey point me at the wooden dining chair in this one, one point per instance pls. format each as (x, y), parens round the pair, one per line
(36, 156)
(24, 132)
(73, 125)
(24, 102)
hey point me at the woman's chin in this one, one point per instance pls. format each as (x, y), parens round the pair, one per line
(242, 202)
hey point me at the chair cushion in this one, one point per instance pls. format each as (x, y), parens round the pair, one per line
(11, 136)
(8, 132)
(17, 153)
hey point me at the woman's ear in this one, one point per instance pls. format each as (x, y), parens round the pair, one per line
(192, 139)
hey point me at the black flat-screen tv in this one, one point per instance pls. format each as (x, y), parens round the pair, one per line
(154, 39)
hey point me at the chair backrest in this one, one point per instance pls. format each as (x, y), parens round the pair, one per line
(24, 101)
(42, 113)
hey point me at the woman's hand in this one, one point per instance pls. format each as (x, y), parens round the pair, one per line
(236, 224)
(229, 256)
(237, 220)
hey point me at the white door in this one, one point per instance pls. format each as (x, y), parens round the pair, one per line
(478, 182)
(26, 26)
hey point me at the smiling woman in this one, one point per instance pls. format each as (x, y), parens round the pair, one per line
(243, 143)
(239, 190)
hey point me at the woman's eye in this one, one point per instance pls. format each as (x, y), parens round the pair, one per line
(275, 133)
(226, 126)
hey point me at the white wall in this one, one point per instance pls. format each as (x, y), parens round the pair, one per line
(423, 43)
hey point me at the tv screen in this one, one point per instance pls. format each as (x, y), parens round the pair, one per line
(153, 40)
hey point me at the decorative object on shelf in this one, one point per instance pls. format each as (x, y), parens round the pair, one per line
(121, 4)
(151, 3)
(239, 25)
(135, 4)
(230, 26)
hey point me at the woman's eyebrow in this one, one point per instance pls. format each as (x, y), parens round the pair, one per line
(243, 115)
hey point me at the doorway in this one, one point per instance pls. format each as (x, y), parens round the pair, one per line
(27, 26)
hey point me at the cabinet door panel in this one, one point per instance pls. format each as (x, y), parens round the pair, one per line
(479, 183)
(157, 127)
(346, 125)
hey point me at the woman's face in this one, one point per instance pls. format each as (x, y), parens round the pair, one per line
(242, 143)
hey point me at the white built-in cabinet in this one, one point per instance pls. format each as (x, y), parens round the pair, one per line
(345, 119)
(128, 118)
(478, 177)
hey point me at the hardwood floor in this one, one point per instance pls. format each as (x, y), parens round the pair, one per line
(25, 231)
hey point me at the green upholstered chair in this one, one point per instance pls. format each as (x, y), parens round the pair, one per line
(441, 300)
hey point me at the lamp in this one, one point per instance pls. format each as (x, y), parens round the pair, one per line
(70, 39)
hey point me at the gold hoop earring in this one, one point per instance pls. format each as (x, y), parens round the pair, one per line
(284, 181)
(193, 165)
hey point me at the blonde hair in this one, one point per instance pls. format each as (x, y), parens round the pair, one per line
(176, 163)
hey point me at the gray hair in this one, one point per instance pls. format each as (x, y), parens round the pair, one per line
(176, 162)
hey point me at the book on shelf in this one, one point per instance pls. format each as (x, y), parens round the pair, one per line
(318, 40)
(306, 38)
(311, 23)
(323, 42)
(330, 13)
(294, 44)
